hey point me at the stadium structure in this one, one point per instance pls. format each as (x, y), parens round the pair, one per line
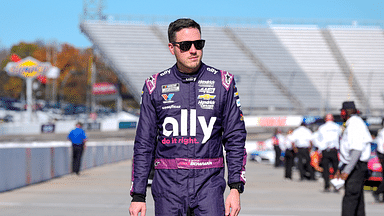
(281, 67)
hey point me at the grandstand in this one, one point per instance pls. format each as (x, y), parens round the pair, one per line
(280, 69)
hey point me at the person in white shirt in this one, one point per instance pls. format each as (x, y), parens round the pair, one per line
(380, 154)
(302, 145)
(289, 155)
(355, 150)
(329, 136)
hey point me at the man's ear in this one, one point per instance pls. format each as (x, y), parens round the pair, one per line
(171, 48)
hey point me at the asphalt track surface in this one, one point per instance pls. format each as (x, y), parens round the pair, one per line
(105, 191)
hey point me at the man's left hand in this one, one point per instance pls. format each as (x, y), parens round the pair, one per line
(232, 203)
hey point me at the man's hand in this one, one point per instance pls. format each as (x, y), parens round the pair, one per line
(344, 176)
(137, 207)
(232, 203)
(337, 175)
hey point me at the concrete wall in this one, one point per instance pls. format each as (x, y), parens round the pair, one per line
(25, 164)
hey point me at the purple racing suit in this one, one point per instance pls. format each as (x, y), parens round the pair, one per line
(185, 120)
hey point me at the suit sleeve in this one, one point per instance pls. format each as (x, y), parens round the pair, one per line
(144, 146)
(234, 136)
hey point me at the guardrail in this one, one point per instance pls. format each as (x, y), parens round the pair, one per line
(25, 164)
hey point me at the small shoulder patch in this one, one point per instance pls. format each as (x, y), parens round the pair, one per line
(151, 83)
(226, 79)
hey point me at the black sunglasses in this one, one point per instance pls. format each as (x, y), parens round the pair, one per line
(186, 45)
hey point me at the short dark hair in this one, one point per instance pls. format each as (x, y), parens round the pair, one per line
(179, 24)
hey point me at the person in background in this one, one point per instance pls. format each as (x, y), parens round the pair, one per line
(302, 145)
(380, 154)
(289, 155)
(329, 136)
(189, 114)
(355, 150)
(78, 138)
(277, 141)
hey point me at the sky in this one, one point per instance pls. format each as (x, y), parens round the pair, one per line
(58, 21)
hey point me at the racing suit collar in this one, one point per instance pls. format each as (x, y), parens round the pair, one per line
(184, 77)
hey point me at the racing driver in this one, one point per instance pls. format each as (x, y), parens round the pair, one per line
(189, 112)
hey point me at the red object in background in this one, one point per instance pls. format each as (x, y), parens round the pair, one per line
(15, 58)
(42, 79)
(104, 88)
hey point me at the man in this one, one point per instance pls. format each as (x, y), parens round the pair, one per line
(289, 155)
(329, 136)
(380, 155)
(277, 141)
(355, 150)
(302, 145)
(78, 138)
(188, 113)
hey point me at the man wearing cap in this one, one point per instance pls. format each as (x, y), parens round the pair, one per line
(329, 135)
(355, 151)
(302, 145)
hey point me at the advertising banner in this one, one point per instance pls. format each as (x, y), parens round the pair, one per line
(27, 68)
(104, 88)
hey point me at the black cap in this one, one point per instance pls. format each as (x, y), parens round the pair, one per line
(348, 105)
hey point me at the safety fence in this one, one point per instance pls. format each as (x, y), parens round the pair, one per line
(25, 164)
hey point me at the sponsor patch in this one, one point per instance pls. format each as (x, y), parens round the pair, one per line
(168, 97)
(206, 83)
(170, 88)
(165, 72)
(207, 90)
(238, 104)
(236, 94)
(226, 79)
(151, 83)
(206, 104)
(206, 97)
(212, 70)
(190, 79)
(171, 107)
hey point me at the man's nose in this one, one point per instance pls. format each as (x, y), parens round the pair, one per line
(193, 49)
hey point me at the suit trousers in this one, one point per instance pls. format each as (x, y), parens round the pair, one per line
(289, 158)
(278, 154)
(353, 200)
(77, 152)
(329, 157)
(305, 164)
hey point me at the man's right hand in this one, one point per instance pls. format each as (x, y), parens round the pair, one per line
(137, 207)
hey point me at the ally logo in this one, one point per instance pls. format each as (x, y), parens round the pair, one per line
(183, 124)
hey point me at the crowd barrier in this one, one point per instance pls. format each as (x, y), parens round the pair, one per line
(25, 164)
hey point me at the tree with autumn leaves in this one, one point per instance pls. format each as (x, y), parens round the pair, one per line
(73, 84)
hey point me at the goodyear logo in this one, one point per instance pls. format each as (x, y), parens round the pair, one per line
(206, 97)
(28, 68)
